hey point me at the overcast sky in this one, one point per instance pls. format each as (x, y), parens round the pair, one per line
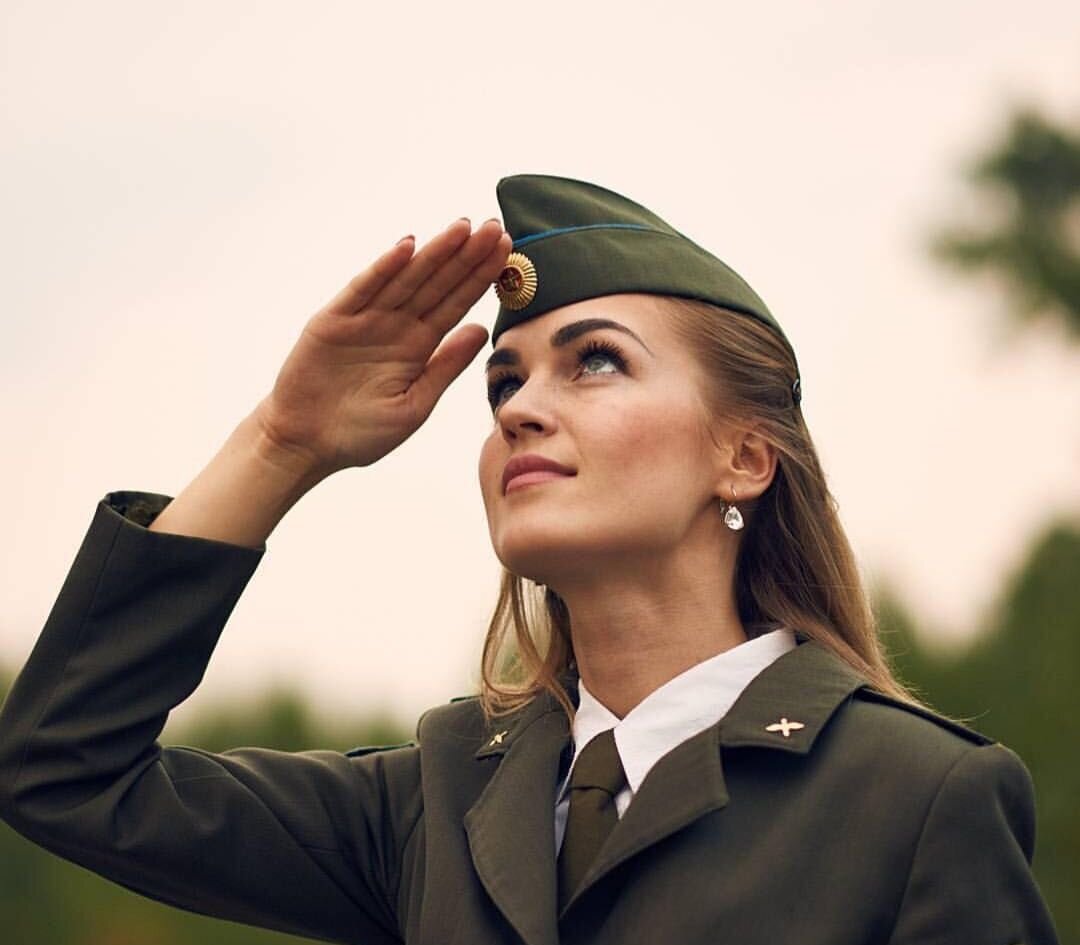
(183, 185)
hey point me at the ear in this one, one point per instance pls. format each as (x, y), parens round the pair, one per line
(746, 463)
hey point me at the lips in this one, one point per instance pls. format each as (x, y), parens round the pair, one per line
(531, 462)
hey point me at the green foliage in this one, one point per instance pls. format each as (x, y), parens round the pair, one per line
(1034, 248)
(1017, 683)
(282, 719)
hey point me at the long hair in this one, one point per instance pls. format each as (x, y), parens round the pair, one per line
(795, 566)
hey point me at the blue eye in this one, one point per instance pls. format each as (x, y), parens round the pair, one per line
(601, 349)
(497, 386)
(594, 349)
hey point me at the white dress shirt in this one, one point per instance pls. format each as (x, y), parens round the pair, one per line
(695, 699)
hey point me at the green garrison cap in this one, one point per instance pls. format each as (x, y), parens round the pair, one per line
(575, 240)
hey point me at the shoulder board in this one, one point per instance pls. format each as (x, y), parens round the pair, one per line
(445, 711)
(957, 728)
(368, 749)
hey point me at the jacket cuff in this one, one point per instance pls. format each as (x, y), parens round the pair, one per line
(138, 507)
(141, 508)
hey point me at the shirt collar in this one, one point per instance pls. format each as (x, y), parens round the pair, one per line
(685, 705)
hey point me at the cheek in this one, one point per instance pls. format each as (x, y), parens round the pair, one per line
(651, 445)
(489, 467)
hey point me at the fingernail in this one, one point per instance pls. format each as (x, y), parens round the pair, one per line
(402, 240)
(494, 220)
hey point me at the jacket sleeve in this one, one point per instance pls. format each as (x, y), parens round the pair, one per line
(971, 879)
(308, 842)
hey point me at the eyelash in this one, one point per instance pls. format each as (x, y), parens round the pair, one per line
(584, 353)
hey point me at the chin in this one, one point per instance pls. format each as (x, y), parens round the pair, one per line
(550, 554)
(537, 564)
(537, 553)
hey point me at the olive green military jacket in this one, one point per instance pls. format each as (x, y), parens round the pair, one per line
(816, 812)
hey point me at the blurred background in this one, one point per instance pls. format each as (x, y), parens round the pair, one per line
(183, 185)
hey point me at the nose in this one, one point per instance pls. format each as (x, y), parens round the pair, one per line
(529, 409)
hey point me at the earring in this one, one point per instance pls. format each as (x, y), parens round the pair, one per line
(732, 516)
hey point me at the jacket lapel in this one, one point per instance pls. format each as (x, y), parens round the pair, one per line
(511, 826)
(784, 707)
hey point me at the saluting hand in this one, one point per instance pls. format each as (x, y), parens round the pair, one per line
(369, 368)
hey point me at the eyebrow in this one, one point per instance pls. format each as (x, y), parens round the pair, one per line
(563, 337)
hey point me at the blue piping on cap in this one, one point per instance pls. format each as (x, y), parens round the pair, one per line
(525, 240)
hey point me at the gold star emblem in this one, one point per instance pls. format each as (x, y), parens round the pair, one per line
(497, 740)
(516, 284)
(784, 726)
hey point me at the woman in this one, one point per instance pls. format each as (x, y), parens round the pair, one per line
(696, 704)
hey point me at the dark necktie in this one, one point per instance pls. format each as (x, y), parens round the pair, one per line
(598, 776)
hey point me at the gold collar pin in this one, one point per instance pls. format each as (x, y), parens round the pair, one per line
(784, 726)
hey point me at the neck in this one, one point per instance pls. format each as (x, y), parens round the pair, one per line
(635, 629)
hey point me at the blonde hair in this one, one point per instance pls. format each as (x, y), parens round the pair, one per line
(795, 566)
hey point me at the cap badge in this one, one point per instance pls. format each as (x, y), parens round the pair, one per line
(784, 726)
(516, 285)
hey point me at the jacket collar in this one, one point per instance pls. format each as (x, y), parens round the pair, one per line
(503, 733)
(806, 685)
(510, 827)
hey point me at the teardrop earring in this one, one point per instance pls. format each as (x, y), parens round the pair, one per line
(732, 516)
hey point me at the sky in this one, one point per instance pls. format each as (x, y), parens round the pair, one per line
(183, 185)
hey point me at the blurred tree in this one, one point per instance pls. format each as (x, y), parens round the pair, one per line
(1033, 174)
(1019, 678)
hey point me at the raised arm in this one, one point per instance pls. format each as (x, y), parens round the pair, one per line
(365, 373)
(315, 843)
